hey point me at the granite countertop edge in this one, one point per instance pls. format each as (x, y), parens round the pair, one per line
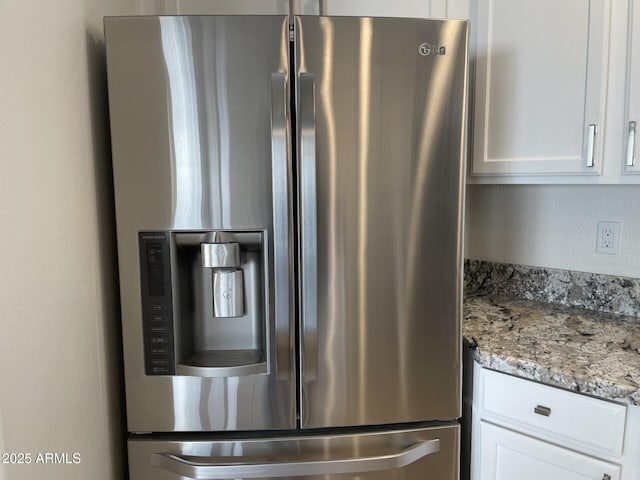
(571, 348)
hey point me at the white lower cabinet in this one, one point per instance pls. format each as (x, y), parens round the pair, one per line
(507, 455)
(524, 430)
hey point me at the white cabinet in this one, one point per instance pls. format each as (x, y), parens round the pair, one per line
(385, 8)
(540, 86)
(506, 455)
(372, 8)
(528, 431)
(631, 128)
(222, 7)
(555, 90)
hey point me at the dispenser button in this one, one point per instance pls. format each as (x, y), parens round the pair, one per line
(157, 308)
(157, 318)
(158, 329)
(228, 297)
(159, 351)
(158, 340)
(159, 362)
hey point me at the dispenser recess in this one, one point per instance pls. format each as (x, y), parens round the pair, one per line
(221, 299)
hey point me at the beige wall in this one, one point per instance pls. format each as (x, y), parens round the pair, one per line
(553, 226)
(59, 360)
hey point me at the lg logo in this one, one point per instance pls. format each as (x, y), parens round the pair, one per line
(428, 49)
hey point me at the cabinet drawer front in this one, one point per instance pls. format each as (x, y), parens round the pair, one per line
(582, 420)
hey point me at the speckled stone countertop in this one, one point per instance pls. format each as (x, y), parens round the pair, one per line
(580, 350)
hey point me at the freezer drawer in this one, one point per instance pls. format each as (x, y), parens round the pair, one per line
(427, 453)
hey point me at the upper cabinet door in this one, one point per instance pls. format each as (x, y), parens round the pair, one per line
(385, 8)
(215, 7)
(632, 125)
(540, 86)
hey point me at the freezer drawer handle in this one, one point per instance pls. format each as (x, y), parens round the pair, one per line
(206, 471)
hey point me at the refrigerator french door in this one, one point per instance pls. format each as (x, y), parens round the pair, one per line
(289, 210)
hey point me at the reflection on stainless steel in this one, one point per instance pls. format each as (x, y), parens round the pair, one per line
(220, 255)
(401, 454)
(187, 175)
(334, 332)
(363, 90)
(389, 155)
(428, 155)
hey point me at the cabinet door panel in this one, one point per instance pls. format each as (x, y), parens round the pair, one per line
(216, 7)
(384, 8)
(632, 130)
(506, 455)
(540, 85)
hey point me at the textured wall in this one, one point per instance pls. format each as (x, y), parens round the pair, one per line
(59, 354)
(553, 226)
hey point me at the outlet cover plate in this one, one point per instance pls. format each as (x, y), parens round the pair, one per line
(608, 238)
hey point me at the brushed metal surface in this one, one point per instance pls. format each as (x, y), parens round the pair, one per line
(214, 469)
(390, 119)
(591, 145)
(631, 145)
(223, 363)
(185, 96)
(228, 294)
(308, 226)
(282, 228)
(410, 454)
(220, 255)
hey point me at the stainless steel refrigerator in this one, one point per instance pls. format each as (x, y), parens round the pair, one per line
(289, 212)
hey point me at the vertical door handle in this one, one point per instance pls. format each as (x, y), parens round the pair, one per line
(281, 257)
(308, 222)
(591, 146)
(631, 145)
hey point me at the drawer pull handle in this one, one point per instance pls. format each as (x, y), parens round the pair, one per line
(631, 145)
(545, 411)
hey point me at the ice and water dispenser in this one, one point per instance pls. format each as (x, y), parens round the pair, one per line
(204, 302)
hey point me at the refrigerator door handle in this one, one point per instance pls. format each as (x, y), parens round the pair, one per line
(280, 192)
(199, 468)
(308, 240)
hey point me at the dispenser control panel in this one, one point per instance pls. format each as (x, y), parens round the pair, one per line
(157, 312)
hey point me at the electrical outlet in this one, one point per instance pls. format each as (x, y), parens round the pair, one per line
(608, 237)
